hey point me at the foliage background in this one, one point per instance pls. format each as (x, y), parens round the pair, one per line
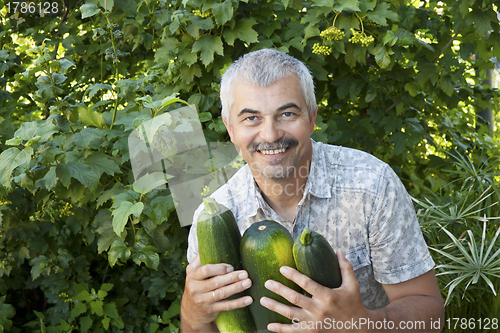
(83, 249)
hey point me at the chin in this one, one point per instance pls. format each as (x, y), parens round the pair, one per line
(277, 172)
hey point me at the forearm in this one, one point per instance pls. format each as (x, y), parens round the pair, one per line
(409, 314)
(187, 328)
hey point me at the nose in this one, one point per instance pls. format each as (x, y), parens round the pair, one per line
(270, 131)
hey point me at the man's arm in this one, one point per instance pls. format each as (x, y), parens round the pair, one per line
(415, 300)
(416, 303)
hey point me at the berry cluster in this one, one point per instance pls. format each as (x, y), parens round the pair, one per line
(332, 33)
(321, 49)
(197, 12)
(372, 24)
(99, 32)
(115, 56)
(359, 37)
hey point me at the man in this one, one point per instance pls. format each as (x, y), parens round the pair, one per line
(353, 199)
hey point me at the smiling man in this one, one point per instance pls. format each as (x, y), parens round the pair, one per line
(353, 199)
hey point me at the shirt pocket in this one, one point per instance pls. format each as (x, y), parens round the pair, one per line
(358, 256)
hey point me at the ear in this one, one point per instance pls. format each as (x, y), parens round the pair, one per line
(228, 127)
(312, 120)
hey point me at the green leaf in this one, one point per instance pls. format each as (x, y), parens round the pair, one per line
(223, 12)
(107, 4)
(107, 235)
(121, 214)
(93, 89)
(173, 310)
(199, 24)
(78, 309)
(147, 255)
(91, 117)
(381, 14)
(89, 10)
(427, 71)
(382, 56)
(80, 172)
(399, 140)
(242, 31)
(45, 129)
(85, 324)
(10, 159)
(64, 325)
(111, 311)
(48, 181)
(108, 194)
(96, 308)
(159, 209)
(412, 88)
(208, 44)
(347, 5)
(6, 311)
(118, 251)
(482, 20)
(16, 141)
(323, 3)
(101, 163)
(389, 38)
(65, 64)
(446, 84)
(58, 78)
(83, 296)
(188, 73)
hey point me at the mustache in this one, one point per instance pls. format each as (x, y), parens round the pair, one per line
(282, 143)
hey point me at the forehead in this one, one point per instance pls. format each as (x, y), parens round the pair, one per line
(248, 95)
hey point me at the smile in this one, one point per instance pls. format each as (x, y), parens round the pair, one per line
(273, 151)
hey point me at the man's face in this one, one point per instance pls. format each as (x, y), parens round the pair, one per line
(271, 127)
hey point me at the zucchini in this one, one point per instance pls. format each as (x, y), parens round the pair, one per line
(265, 247)
(219, 242)
(315, 258)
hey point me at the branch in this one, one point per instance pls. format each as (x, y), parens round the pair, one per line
(446, 46)
(393, 105)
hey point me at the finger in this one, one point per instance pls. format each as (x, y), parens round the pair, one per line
(210, 270)
(305, 282)
(229, 285)
(289, 312)
(346, 271)
(228, 305)
(284, 328)
(194, 264)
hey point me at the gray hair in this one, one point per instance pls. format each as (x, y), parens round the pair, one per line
(263, 68)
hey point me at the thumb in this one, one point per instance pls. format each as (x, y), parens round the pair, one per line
(194, 264)
(346, 269)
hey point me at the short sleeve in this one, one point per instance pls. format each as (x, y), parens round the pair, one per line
(397, 247)
(192, 249)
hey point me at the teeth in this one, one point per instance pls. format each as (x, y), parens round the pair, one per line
(273, 151)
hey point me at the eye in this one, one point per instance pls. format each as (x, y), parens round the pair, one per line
(287, 114)
(251, 118)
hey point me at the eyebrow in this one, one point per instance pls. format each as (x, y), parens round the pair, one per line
(281, 108)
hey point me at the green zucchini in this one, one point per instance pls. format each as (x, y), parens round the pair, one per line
(219, 242)
(265, 247)
(315, 258)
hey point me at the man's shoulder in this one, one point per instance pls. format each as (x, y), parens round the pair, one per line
(232, 193)
(345, 157)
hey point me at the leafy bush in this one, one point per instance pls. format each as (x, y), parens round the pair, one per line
(83, 249)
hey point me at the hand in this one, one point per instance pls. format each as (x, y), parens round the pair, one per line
(342, 304)
(205, 292)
